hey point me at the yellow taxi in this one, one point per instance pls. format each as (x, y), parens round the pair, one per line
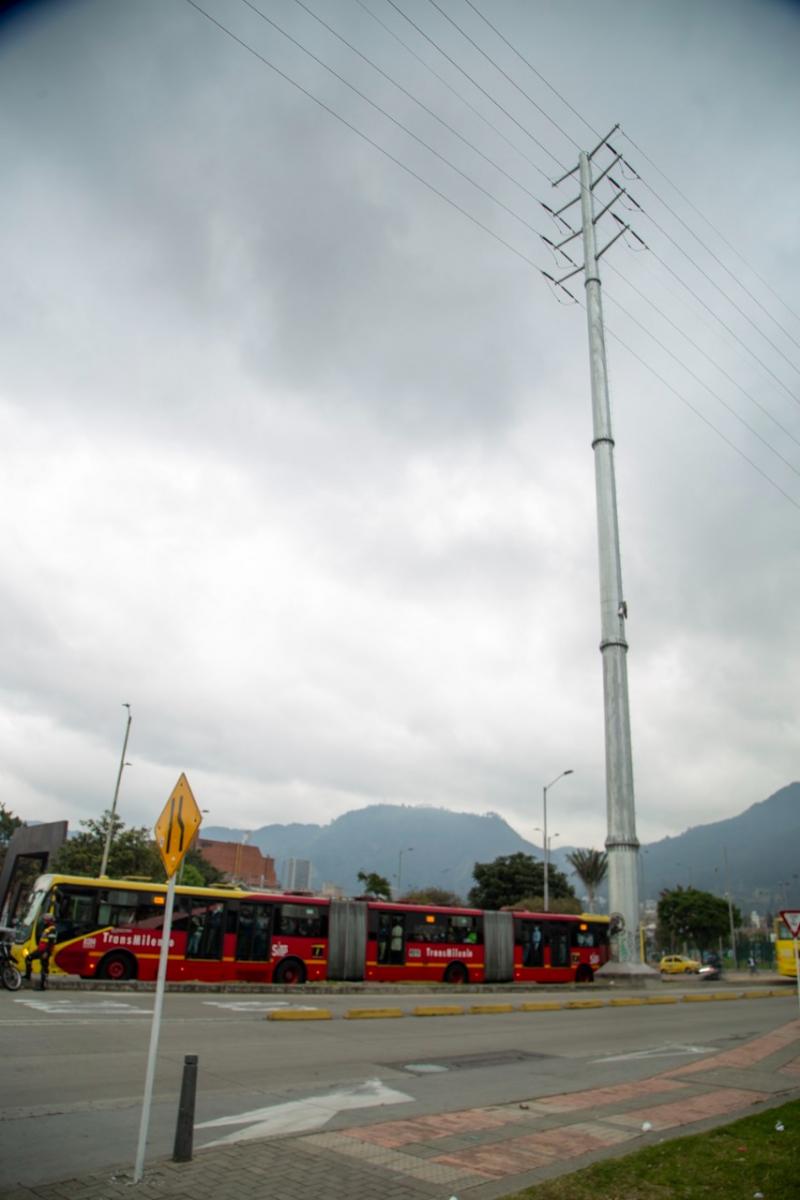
(678, 964)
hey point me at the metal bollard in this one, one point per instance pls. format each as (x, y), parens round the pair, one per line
(184, 1130)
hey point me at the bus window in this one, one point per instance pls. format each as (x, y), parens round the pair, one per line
(32, 910)
(75, 912)
(205, 927)
(252, 932)
(384, 935)
(558, 938)
(462, 929)
(584, 934)
(116, 907)
(531, 937)
(301, 920)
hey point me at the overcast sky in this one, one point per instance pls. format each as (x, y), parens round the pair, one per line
(296, 457)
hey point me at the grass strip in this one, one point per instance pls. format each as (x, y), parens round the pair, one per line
(733, 1162)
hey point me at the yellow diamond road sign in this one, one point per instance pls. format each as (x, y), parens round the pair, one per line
(177, 825)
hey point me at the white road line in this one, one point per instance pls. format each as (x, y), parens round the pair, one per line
(258, 1005)
(673, 1051)
(300, 1116)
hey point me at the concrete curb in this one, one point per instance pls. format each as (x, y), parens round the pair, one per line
(372, 1014)
(300, 1014)
(528, 1006)
(439, 1010)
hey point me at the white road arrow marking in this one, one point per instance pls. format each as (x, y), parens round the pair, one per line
(658, 1052)
(300, 1116)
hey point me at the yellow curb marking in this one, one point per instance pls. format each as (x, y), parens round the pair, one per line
(585, 1004)
(365, 1014)
(540, 1005)
(726, 996)
(439, 1010)
(761, 994)
(697, 999)
(491, 1008)
(661, 1000)
(626, 1001)
(311, 1014)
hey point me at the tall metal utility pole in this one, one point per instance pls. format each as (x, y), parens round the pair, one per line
(621, 842)
(110, 830)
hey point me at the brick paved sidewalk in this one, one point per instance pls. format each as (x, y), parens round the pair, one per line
(477, 1154)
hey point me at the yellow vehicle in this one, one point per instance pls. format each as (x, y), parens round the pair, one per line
(678, 964)
(785, 961)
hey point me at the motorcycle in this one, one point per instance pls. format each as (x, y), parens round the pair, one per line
(710, 970)
(9, 971)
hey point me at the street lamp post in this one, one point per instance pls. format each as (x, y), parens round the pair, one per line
(405, 850)
(122, 765)
(545, 790)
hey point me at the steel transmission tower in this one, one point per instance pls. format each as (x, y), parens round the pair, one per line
(621, 843)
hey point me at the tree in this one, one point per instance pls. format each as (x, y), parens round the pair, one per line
(433, 895)
(198, 871)
(133, 852)
(8, 824)
(510, 877)
(591, 867)
(689, 915)
(375, 885)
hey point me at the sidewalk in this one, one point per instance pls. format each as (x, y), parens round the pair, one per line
(475, 1154)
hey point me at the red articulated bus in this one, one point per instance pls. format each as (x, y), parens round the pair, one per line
(111, 929)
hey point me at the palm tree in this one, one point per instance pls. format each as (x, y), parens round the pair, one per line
(591, 867)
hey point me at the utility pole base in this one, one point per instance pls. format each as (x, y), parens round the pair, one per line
(627, 974)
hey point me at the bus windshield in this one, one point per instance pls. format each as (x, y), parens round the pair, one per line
(28, 920)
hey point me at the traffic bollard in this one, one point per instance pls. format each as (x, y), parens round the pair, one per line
(184, 1130)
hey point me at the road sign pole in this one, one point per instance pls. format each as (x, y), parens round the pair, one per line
(155, 1030)
(797, 968)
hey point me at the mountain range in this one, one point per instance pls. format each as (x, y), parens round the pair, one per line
(755, 854)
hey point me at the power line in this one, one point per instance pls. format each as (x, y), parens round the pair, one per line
(705, 354)
(710, 224)
(710, 390)
(415, 99)
(537, 73)
(510, 79)
(474, 82)
(365, 137)
(715, 285)
(724, 324)
(378, 108)
(716, 259)
(479, 224)
(702, 417)
(446, 83)
(658, 196)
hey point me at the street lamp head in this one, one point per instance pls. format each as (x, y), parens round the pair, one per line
(569, 771)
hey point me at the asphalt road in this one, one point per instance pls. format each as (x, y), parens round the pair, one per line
(74, 1065)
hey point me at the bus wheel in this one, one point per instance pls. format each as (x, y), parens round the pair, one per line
(584, 974)
(117, 966)
(290, 971)
(456, 973)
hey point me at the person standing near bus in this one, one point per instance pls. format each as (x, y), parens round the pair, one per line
(46, 946)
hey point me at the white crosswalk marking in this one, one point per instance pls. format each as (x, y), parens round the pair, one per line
(82, 1006)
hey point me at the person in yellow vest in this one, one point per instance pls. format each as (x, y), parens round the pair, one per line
(46, 946)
